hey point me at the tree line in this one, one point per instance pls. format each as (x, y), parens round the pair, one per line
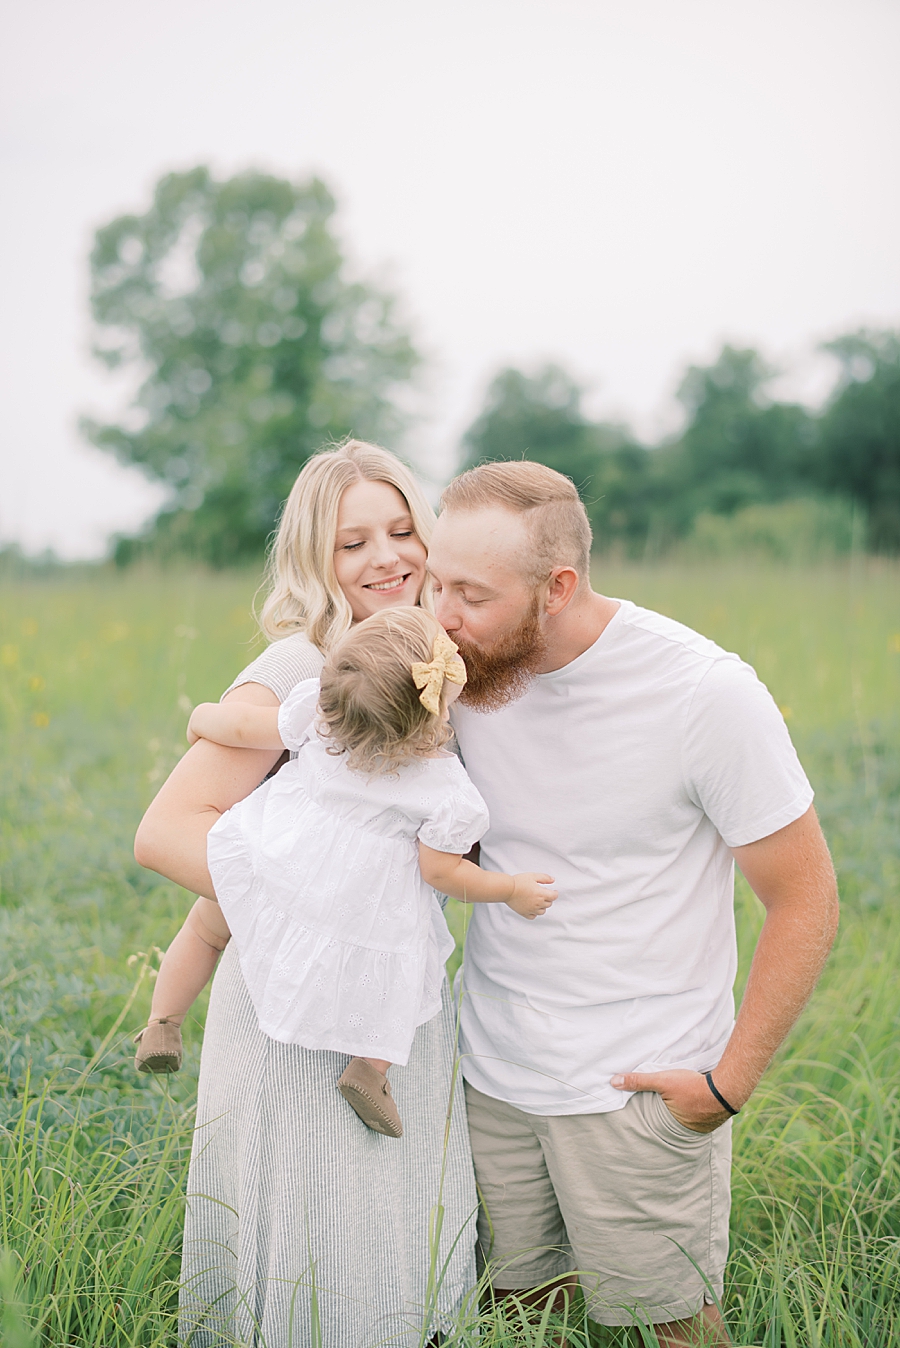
(738, 449)
(229, 302)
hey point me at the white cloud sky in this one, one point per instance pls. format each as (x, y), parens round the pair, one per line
(618, 187)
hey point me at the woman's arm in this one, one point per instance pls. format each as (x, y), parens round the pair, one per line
(171, 838)
(237, 725)
(526, 894)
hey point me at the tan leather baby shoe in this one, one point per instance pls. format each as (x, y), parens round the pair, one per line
(159, 1047)
(369, 1093)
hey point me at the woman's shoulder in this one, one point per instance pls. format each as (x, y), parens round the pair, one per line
(282, 665)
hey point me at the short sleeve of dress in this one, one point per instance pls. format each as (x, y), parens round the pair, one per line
(458, 819)
(296, 713)
(282, 665)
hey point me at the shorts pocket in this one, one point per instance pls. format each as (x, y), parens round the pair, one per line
(664, 1122)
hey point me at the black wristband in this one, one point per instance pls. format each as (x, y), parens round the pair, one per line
(721, 1098)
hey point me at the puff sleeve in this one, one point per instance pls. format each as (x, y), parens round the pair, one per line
(458, 819)
(295, 716)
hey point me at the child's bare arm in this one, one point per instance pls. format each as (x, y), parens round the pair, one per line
(526, 894)
(237, 725)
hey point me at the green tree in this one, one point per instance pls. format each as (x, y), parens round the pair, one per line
(228, 301)
(540, 417)
(860, 432)
(738, 448)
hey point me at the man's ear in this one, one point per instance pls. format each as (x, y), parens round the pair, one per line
(563, 582)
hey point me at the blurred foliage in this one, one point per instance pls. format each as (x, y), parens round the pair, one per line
(18, 565)
(803, 529)
(227, 299)
(746, 473)
(737, 448)
(228, 303)
(540, 417)
(860, 432)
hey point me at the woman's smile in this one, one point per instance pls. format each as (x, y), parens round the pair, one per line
(384, 586)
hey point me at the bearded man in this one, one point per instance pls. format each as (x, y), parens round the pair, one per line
(635, 761)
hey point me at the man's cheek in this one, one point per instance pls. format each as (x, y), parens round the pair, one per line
(484, 628)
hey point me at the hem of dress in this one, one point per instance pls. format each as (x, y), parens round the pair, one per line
(392, 1053)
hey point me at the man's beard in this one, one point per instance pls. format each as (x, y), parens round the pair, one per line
(500, 673)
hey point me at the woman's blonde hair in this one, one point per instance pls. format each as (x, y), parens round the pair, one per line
(368, 702)
(303, 592)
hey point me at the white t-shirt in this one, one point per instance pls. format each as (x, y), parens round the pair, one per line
(627, 775)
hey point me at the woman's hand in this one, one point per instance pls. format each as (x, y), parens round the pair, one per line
(531, 897)
(208, 780)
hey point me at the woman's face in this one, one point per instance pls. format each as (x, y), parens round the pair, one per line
(378, 559)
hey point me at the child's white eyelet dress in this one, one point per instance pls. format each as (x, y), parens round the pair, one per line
(341, 943)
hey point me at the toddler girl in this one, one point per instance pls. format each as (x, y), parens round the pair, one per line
(324, 874)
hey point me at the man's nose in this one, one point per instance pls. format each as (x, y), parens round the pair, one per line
(445, 614)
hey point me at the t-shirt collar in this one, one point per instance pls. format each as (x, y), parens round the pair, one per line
(595, 648)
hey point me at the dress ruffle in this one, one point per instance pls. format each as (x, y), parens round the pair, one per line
(341, 942)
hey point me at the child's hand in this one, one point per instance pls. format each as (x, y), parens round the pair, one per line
(531, 897)
(193, 733)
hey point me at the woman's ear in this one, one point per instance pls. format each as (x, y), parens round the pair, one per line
(563, 582)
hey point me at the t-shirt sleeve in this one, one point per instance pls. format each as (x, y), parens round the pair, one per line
(457, 819)
(296, 713)
(740, 765)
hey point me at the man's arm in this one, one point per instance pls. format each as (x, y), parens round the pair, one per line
(171, 837)
(792, 875)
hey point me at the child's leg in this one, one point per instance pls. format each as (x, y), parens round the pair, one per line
(189, 962)
(380, 1064)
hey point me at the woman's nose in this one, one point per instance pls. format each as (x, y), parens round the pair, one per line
(386, 554)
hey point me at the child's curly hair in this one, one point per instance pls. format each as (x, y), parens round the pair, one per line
(368, 701)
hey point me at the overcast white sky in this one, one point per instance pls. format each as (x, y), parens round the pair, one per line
(616, 186)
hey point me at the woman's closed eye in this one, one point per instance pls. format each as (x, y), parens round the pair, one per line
(361, 542)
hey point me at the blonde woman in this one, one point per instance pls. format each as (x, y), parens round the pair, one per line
(296, 1215)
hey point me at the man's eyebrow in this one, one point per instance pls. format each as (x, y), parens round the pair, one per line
(462, 581)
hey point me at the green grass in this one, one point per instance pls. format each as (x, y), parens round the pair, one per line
(95, 678)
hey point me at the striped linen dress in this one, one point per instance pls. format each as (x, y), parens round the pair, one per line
(304, 1227)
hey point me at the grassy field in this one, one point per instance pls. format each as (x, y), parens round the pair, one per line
(96, 677)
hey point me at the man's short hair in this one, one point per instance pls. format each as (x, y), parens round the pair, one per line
(557, 522)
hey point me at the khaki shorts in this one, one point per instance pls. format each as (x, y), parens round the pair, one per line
(633, 1200)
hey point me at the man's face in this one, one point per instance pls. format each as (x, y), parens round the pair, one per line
(486, 603)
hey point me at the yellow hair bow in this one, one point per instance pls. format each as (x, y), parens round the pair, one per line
(444, 664)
